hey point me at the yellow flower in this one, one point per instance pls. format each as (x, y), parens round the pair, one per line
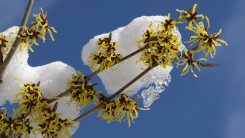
(105, 61)
(190, 16)
(168, 25)
(164, 49)
(32, 100)
(149, 57)
(25, 125)
(106, 56)
(148, 36)
(101, 41)
(207, 42)
(110, 49)
(75, 80)
(26, 43)
(188, 60)
(3, 117)
(170, 43)
(43, 23)
(15, 125)
(4, 43)
(50, 122)
(81, 95)
(118, 108)
(29, 35)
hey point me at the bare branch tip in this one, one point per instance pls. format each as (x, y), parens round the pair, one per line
(110, 36)
(55, 106)
(38, 84)
(137, 98)
(45, 14)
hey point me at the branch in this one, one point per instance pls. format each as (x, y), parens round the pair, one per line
(194, 48)
(90, 112)
(115, 94)
(55, 105)
(96, 72)
(121, 60)
(5, 64)
(1, 59)
(202, 64)
(133, 81)
(65, 93)
(119, 91)
(95, 109)
(207, 64)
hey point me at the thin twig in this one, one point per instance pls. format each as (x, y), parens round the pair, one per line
(91, 111)
(55, 106)
(96, 72)
(115, 94)
(95, 109)
(206, 64)
(194, 48)
(38, 84)
(65, 93)
(119, 91)
(134, 80)
(8, 58)
(1, 59)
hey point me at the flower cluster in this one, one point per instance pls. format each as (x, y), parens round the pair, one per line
(32, 101)
(207, 42)
(4, 43)
(163, 45)
(29, 36)
(42, 22)
(106, 56)
(190, 16)
(82, 95)
(118, 108)
(52, 123)
(190, 62)
(20, 124)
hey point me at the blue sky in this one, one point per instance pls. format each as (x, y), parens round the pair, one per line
(209, 106)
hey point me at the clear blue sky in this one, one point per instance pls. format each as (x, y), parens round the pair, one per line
(210, 106)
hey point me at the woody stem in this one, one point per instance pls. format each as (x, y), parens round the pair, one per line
(8, 58)
(91, 111)
(96, 72)
(15, 45)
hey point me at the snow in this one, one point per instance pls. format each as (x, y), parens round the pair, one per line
(54, 76)
(125, 38)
